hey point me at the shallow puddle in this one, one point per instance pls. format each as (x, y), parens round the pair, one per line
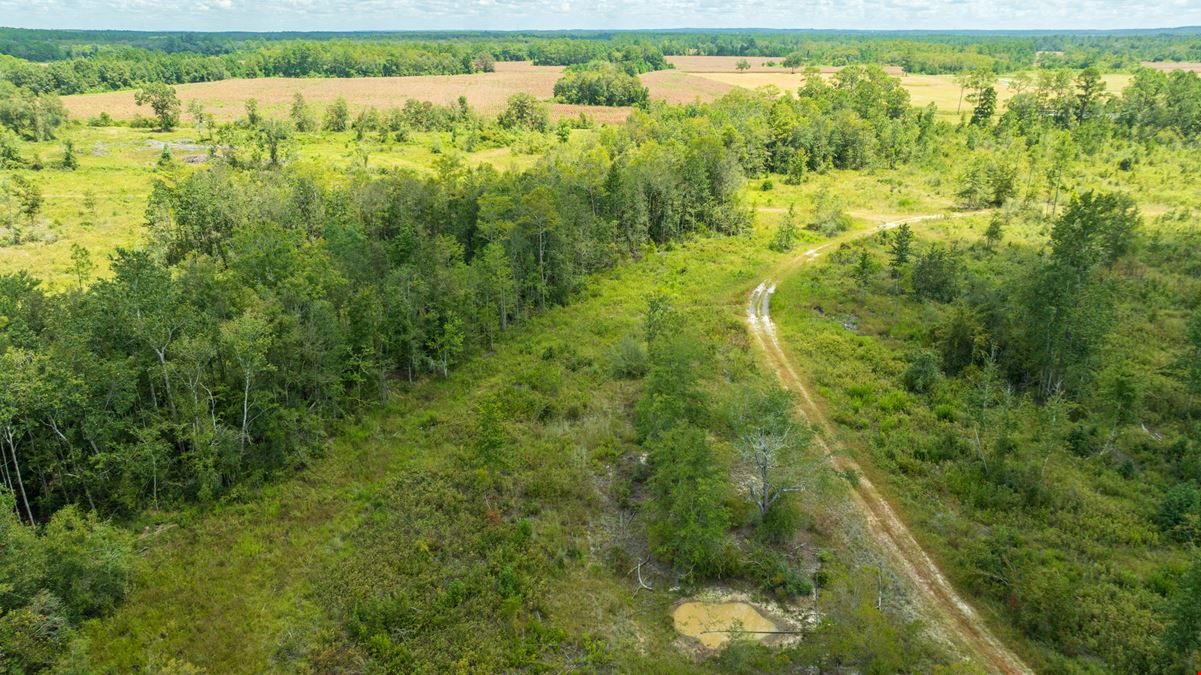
(716, 623)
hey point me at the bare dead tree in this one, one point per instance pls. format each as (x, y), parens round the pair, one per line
(770, 456)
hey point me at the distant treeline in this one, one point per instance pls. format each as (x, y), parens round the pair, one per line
(68, 62)
(106, 68)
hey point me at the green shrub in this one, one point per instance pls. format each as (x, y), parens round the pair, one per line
(523, 111)
(923, 375)
(89, 563)
(1179, 514)
(628, 358)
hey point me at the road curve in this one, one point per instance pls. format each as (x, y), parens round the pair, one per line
(941, 605)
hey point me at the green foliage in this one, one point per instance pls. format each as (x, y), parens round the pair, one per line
(1192, 356)
(689, 516)
(77, 568)
(272, 140)
(1095, 229)
(10, 152)
(300, 114)
(864, 270)
(1069, 304)
(987, 182)
(1179, 514)
(269, 303)
(996, 230)
(337, 116)
(89, 564)
(598, 83)
(629, 358)
(829, 218)
(69, 161)
(162, 100)
(32, 115)
(1183, 636)
(936, 274)
(900, 249)
(923, 375)
(523, 111)
(784, 239)
(986, 107)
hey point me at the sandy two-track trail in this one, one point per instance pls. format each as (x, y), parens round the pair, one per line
(942, 607)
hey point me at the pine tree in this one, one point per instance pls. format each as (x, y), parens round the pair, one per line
(864, 269)
(902, 246)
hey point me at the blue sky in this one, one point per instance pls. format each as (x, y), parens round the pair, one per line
(259, 15)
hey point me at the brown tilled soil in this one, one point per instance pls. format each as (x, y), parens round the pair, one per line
(225, 99)
(674, 86)
(486, 92)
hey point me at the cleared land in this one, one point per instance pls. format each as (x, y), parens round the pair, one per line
(225, 99)
(1174, 65)
(758, 64)
(487, 92)
(941, 90)
(102, 205)
(679, 87)
(703, 78)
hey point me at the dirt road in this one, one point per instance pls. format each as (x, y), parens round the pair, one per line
(943, 609)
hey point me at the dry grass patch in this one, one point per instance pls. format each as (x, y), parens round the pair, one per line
(486, 92)
(226, 99)
(679, 87)
(941, 90)
(758, 64)
(1191, 66)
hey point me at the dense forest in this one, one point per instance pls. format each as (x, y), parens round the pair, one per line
(1031, 391)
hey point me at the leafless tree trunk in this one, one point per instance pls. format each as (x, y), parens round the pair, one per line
(10, 437)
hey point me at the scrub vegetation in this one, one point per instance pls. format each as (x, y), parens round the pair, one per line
(425, 387)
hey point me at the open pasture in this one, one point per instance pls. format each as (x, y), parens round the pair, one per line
(101, 205)
(758, 64)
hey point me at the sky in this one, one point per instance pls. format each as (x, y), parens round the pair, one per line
(340, 15)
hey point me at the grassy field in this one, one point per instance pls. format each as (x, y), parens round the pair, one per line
(101, 205)
(703, 78)
(1174, 65)
(854, 344)
(259, 583)
(941, 90)
(758, 64)
(246, 588)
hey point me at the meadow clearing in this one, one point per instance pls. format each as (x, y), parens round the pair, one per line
(101, 206)
(343, 383)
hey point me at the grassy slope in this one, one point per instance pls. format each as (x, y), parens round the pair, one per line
(857, 373)
(245, 587)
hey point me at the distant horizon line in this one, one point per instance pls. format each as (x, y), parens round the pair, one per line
(686, 29)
